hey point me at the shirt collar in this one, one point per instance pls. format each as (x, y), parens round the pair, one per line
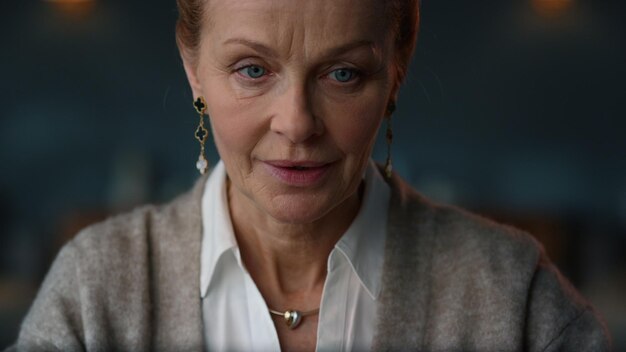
(218, 236)
(362, 245)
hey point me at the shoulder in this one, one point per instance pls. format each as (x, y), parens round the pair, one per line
(111, 279)
(474, 280)
(121, 232)
(470, 257)
(96, 277)
(559, 318)
(128, 234)
(127, 244)
(455, 235)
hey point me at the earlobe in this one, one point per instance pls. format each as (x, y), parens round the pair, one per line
(395, 88)
(393, 96)
(191, 70)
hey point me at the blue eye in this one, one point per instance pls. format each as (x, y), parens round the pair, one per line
(253, 71)
(343, 75)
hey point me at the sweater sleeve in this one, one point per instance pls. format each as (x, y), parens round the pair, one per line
(559, 319)
(54, 320)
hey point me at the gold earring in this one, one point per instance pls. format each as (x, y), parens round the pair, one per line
(201, 134)
(391, 107)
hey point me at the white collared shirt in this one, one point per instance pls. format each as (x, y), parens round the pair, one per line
(235, 316)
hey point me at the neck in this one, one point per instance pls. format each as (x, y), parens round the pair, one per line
(288, 261)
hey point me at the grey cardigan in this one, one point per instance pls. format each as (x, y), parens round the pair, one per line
(452, 282)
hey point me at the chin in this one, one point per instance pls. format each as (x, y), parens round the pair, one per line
(297, 209)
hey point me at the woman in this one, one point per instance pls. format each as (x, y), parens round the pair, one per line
(295, 240)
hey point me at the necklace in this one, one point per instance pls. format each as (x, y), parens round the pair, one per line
(294, 317)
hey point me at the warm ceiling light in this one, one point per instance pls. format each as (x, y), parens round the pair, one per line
(76, 9)
(551, 8)
(73, 1)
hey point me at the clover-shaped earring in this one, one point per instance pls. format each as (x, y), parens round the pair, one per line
(200, 105)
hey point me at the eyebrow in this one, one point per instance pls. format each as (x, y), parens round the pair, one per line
(256, 46)
(267, 51)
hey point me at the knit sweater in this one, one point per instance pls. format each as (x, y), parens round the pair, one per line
(452, 281)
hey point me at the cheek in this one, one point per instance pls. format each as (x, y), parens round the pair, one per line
(355, 128)
(355, 120)
(237, 124)
(232, 135)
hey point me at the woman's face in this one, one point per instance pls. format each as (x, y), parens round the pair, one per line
(296, 91)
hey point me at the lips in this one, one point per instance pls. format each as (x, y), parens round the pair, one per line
(296, 164)
(298, 173)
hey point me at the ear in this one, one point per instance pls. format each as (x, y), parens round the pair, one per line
(393, 96)
(191, 70)
(395, 88)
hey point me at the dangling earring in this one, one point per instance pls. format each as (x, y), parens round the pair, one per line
(201, 134)
(391, 107)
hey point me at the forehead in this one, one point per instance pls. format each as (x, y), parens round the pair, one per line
(298, 26)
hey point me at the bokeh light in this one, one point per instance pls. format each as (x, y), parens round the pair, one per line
(73, 9)
(551, 8)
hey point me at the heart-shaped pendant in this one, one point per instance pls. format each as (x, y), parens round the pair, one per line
(293, 318)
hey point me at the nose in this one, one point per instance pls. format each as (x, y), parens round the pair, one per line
(294, 117)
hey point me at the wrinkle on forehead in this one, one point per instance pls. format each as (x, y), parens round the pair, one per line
(299, 28)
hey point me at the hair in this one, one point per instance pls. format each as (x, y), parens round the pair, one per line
(404, 16)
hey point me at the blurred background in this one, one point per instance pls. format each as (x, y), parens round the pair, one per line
(513, 109)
